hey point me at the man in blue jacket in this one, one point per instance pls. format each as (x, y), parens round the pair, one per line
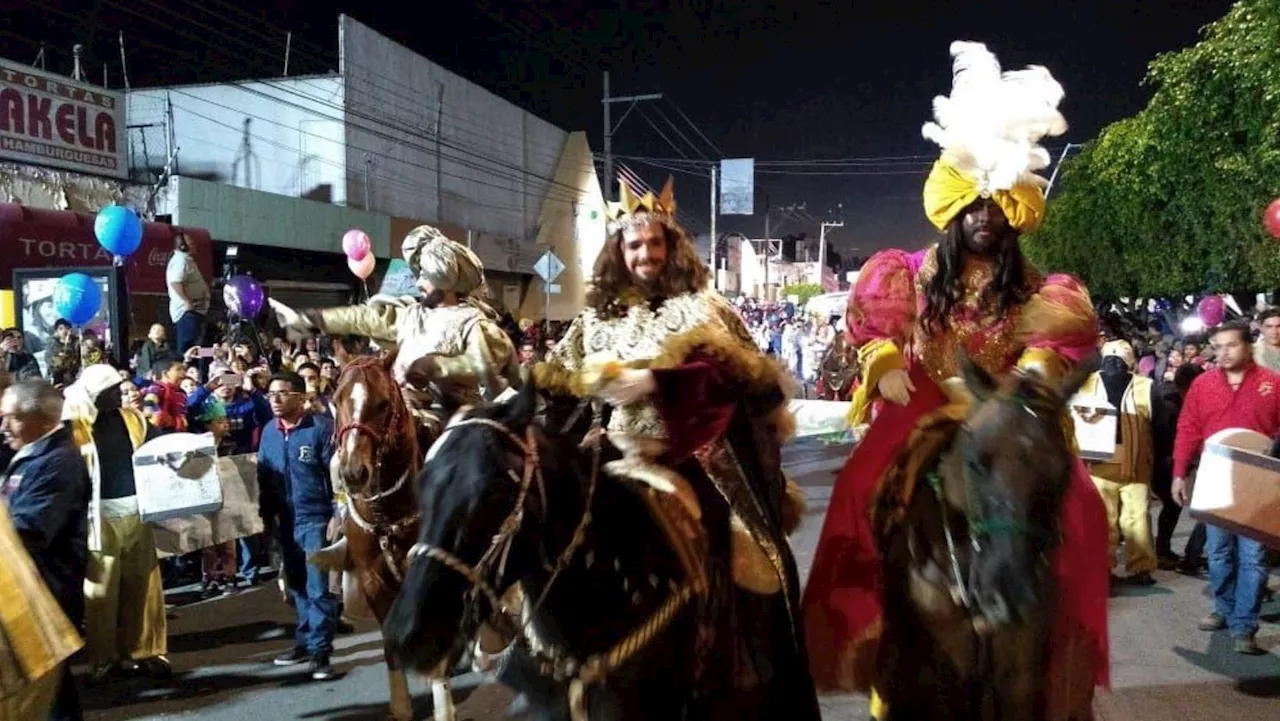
(47, 488)
(296, 502)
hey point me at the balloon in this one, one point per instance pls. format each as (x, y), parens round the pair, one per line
(362, 268)
(244, 296)
(1272, 218)
(356, 245)
(1212, 310)
(77, 298)
(119, 230)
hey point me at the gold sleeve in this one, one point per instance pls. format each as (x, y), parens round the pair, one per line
(561, 372)
(378, 324)
(487, 360)
(875, 358)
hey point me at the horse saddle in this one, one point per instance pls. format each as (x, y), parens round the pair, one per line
(674, 505)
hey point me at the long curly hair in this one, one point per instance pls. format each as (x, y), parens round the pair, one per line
(613, 291)
(1010, 286)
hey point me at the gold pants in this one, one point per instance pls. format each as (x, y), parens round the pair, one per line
(124, 596)
(1129, 517)
(34, 700)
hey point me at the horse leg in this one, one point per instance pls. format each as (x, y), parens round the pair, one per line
(401, 701)
(442, 701)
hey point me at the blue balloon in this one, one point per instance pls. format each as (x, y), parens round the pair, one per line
(77, 297)
(119, 230)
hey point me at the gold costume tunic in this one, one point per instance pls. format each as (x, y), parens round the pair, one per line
(475, 358)
(35, 635)
(645, 338)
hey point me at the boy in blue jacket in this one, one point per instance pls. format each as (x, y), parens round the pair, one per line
(296, 501)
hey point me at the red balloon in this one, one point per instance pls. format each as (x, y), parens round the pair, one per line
(1272, 219)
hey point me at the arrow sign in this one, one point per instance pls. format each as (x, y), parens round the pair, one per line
(548, 267)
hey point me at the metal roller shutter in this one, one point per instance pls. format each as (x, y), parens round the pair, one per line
(300, 294)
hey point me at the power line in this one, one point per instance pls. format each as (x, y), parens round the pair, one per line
(695, 127)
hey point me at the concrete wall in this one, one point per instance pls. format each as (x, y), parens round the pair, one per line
(281, 136)
(573, 229)
(241, 215)
(487, 166)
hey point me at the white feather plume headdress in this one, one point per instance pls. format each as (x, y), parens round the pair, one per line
(991, 125)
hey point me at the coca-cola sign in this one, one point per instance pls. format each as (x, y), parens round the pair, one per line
(31, 238)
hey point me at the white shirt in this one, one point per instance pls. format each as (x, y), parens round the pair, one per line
(182, 269)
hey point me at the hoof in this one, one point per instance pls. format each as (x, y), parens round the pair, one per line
(331, 558)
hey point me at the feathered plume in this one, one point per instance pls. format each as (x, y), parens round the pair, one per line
(991, 125)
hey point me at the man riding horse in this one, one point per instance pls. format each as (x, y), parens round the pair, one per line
(450, 350)
(913, 315)
(699, 412)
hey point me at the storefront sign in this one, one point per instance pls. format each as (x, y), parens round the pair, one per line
(48, 119)
(31, 238)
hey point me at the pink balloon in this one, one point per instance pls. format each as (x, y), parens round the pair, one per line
(362, 268)
(1212, 310)
(356, 244)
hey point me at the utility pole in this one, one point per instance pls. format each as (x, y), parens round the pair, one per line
(610, 127)
(715, 279)
(789, 211)
(822, 247)
(1058, 166)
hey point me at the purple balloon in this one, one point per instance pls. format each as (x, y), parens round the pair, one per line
(244, 296)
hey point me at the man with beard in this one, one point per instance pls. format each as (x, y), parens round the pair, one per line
(696, 404)
(1125, 482)
(450, 350)
(449, 339)
(125, 625)
(912, 315)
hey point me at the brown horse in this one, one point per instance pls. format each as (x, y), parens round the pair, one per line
(965, 521)
(378, 458)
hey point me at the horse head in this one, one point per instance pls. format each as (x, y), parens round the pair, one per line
(483, 502)
(375, 428)
(1007, 473)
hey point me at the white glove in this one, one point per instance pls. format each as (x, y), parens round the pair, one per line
(895, 386)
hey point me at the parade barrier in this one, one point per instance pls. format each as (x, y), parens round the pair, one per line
(827, 420)
(1238, 486)
(192, 498)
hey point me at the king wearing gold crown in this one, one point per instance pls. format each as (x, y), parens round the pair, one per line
(697, 413)
(912, 315)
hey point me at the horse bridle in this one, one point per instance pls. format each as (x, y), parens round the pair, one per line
(382, 531)
(554, 663)
(979, 527)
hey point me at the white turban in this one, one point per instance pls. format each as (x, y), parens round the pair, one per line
(79, 397)
(446, 264)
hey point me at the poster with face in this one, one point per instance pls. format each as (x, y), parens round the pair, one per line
(33, 292)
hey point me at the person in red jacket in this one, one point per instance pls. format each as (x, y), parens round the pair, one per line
(1238, 393)
(165, 402)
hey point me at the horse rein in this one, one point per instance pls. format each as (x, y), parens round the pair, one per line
(552, 663)
(978, 528)
(382, 532)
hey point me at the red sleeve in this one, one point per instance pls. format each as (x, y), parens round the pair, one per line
(696, 400)
(1189, 437)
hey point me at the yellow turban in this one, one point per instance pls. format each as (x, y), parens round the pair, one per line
(948, 191)
(1122, 350)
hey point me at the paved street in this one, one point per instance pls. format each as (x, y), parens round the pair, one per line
(1162, 667)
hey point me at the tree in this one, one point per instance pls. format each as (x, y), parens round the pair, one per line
(1170, 201)
(804, 291)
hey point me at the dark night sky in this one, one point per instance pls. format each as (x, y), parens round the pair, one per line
(774, 81)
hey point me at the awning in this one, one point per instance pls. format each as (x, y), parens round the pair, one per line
(34, 238)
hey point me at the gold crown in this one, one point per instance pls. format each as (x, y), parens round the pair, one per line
(632, 210)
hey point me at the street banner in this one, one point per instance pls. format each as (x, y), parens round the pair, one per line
(737, 186)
